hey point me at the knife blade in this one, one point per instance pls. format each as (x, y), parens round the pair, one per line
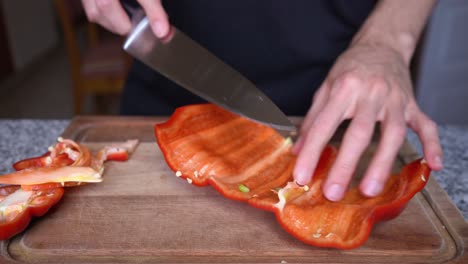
(193, 67)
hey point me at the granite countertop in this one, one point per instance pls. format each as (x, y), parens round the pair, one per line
(20, 139)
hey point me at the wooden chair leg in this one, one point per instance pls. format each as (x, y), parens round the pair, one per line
(99, 104)
(78, 98)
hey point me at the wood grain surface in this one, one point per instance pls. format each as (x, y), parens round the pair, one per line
(143, 213)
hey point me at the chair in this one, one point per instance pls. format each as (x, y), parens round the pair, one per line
(98, 69)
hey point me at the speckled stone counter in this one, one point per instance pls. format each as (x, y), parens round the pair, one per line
(27, 138)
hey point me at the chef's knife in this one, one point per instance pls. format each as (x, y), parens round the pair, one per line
(193, 67)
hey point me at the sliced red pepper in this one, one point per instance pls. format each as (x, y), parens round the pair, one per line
(31, 162)
(42, 178)
(250, 162)
(19, 206)
(42, 161)
(41, 172)
(42, 186)
(31, 200)
(118, 156)
(119, 152)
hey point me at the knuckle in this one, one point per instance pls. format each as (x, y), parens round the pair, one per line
(413, 106)
(341, 173)
(318, 124)
(345, 168)
(122, 30)
(399, 131)
(427, 123)
(104, 5)
(345, 86)
(350, 80)
(380, 87)
(361, 133)
(412, 111)
(363, 122)
(431, 125)
(414, 116)
(93, 15)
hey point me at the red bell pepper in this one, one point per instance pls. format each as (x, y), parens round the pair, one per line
(250, 162)
(67, 164)
(38, 182)
(18, 206)
(43, 161)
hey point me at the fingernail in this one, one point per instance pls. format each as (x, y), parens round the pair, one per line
(373, 188)
(159, 29)
(300, 178)
(334, 192)
(438, 161)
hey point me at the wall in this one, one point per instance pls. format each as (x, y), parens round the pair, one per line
(442, 84)
(31, 29)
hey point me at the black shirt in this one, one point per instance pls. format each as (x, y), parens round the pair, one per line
(285, 47)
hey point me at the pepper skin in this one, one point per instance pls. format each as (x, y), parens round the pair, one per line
(15, 217)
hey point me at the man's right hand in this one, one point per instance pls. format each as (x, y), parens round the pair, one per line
(111, 15)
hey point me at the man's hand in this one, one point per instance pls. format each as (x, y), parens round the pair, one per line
(369, 83)
(111, 15)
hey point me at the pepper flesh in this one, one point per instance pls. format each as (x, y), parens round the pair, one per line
(212, 146)
(15, 217)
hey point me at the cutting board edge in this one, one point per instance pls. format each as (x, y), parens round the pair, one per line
(451, 218)
(79, 124)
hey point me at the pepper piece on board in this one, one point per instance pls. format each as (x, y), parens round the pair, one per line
(37, 183)
(42, 161)
(18, 206)
(67, 163)
(250, 162)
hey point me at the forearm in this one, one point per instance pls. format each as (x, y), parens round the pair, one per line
(397, 24)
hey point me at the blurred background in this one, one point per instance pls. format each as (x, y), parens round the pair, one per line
(54, 64)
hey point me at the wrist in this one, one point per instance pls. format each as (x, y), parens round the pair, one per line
(403, 43)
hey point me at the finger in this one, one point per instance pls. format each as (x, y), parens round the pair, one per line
(393, 134)
(113, 17)
(91, 10)
(320, 132)
(429, 136)
(319, 101)
(355, 141)
(157, 17)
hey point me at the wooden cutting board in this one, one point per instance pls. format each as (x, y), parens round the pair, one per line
(143, 213)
